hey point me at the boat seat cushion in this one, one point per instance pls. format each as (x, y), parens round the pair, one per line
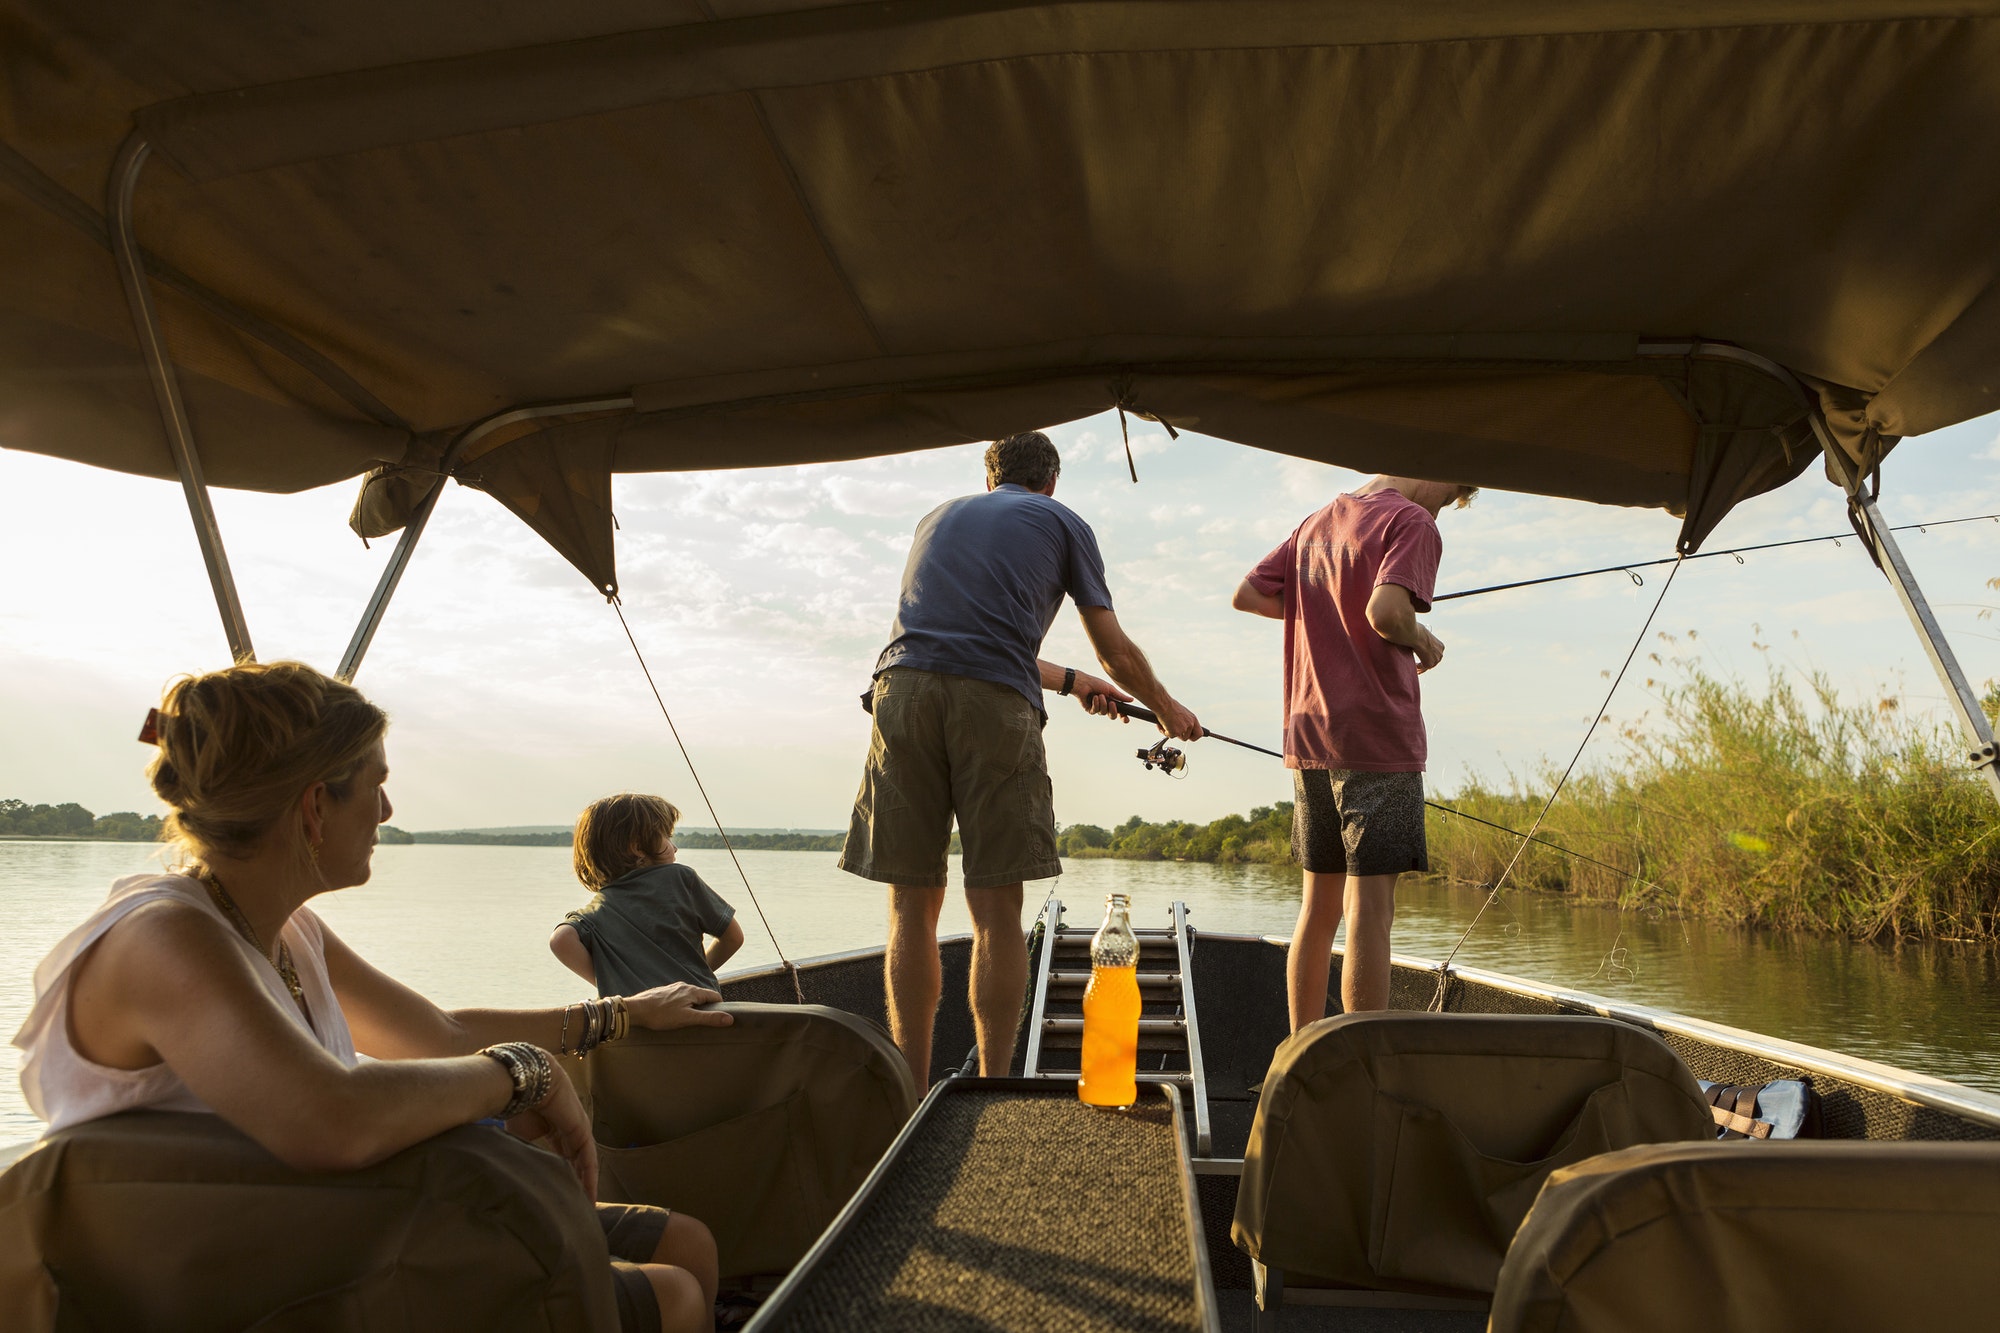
(762, 1130)
(172, 1221)
(1400, 1151)
(1747, 1238)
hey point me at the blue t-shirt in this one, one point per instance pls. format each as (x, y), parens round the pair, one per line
(986, 576)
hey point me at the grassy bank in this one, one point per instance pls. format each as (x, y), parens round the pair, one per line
(1784, 807)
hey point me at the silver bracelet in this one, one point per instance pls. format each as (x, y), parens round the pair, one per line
(529, 1069)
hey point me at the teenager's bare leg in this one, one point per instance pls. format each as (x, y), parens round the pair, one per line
(1364, 970)
(914, 974)
(999, 973)
(1309, 961)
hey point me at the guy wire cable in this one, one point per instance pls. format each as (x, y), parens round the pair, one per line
(1444, 969)
(791, 968)
(1738, 551)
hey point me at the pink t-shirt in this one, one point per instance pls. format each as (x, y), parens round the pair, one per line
(1351, 695)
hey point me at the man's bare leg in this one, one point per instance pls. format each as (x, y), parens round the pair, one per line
(999, 973)
(1309, 961)
(1364, 970)
(914, 974)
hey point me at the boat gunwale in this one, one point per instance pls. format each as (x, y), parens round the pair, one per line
(1923, 1089)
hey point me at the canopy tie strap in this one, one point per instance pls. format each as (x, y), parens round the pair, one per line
(1123, 389)
(791, 968)
(1444, 969)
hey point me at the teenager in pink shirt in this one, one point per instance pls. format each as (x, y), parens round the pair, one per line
(1348, 583)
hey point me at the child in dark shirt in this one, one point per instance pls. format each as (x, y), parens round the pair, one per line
(645, 924)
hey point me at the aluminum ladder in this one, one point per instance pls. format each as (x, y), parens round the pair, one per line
(1169, 1034)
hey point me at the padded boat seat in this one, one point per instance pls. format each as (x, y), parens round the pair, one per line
(1399, 1151)
(762, 1130)
(1009, 1205)
(172, 1221)
(1736, 1238)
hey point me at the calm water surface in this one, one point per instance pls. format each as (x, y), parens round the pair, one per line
(469, 925)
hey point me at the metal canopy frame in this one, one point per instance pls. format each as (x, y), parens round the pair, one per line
(1879, 542)
(122, 186)
(120, 190)
(413, 530)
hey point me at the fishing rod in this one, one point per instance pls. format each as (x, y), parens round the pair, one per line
(1170, 760)
(1738, 551)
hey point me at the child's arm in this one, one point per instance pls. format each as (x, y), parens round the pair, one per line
(726, 944)
(568, 948)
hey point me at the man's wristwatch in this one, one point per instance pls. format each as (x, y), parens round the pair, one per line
(1069, 680)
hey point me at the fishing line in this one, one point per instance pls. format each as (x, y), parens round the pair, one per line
(1738, 551)
(1444, 969)
(791, 968)
(1147, 715)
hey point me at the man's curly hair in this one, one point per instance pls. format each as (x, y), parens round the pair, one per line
(1027, 459)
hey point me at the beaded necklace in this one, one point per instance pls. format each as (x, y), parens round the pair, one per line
(290, 975)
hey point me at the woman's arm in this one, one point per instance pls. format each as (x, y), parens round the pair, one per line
(392, 1022)
(726, 944)
(568, 947)
(169, 984)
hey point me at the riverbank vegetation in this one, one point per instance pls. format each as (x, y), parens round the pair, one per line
(685, 838)
(1785, 807)
(1264, 837)
(18, 819)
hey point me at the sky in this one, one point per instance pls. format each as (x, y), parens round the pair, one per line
(761, 598)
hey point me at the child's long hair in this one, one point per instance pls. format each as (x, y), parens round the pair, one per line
(617, 835)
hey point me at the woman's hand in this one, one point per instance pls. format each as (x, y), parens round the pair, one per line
(665, 1007)
(560, 1125)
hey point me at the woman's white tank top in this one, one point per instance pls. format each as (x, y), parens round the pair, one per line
(64, 1088)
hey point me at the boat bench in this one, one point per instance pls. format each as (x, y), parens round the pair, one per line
(1394, 1154)
(1748, 1238)
(1008, 1204)
(175, 1222)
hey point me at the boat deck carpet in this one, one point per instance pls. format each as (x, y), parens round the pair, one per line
(1014, 1209)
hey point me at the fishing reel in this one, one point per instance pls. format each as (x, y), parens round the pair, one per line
(1164, 757)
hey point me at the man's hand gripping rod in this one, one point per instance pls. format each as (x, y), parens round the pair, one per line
(1169, 759)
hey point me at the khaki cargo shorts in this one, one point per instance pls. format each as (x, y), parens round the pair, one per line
(945, 745)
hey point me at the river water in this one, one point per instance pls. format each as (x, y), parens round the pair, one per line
(469, 925)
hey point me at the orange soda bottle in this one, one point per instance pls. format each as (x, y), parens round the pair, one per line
(1111, 1011)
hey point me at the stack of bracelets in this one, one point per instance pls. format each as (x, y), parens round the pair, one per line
(531, 1070)
(603, 1020)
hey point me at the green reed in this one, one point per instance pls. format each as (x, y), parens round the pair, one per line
(1786, 807)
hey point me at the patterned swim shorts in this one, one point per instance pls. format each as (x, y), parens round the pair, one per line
(1346, 822)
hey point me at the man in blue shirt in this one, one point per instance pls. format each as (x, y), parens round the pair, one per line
(958, 731)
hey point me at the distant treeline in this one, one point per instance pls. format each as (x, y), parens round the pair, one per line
(748, 842)
(1265, 837)
(18, 819)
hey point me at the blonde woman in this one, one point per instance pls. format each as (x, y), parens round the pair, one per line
(214, 988)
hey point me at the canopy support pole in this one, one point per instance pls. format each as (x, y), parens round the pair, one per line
(166, 388)
(1889, 558)
(413, 530)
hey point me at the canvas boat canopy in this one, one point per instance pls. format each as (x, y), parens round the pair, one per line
(1588, 248)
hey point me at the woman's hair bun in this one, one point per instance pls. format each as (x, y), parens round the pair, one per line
(237, 747)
